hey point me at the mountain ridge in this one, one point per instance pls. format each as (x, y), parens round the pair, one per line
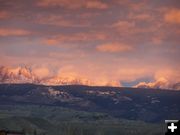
(128, 103)
(25, 74)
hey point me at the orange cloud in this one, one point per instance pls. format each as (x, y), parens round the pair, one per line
(73, 4)
(71, 75)
(4, 15)
(164, 79)
(169, 74)
(59, 20)
(141, 17)
(75, 38)
(96, 4)
(125, 27)
(85, 15)
(173, 16)
(127, 73)
(157, 41)
(124, 24)
(131, 29)
(160, 83)
(133, 5)
(114, 47)
(13, 32)
(137, 6)
(51, 41)
(42, 72)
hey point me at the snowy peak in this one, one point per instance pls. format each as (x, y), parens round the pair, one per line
(17, 75)
(27, 75)
(160, 83)
(65, 81)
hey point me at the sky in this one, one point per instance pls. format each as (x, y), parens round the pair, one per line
(123, 42)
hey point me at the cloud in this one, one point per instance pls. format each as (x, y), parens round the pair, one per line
(75, 37)
(87, 15)
(138, 6)
(130, 28)
(133, 5)
(164, 79)
(124, 24)
(160, 83)
(13, 32)
(172, 16)
(59, 20)
(96, 4)
(42, 72)
(51, 41)
(73, 4)
(75, 75)
(4, 15)
(77, 33)
(129, 74)
(172, 75)
(157, 40)
(114, 48)
(141, 16)
(53, 20)
(66, 75)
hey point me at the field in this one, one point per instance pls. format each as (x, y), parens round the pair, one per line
(53, 120)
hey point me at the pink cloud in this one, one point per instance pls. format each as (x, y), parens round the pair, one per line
(164, 79)
(160, 83)
(172, 16)
(124, 24)
(114, 48)
(141, 16)
(73, 4)
(4, 14)
(13, 32)
(77, 37)
(59, 20)
(42, 72)
(96, 4)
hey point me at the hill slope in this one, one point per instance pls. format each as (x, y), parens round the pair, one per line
(148, 105)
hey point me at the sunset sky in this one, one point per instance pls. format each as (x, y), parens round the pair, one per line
(119, 41)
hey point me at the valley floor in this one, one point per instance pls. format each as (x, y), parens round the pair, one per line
(53, 120)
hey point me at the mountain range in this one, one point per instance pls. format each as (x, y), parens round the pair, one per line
(150, 105)
(25, 74)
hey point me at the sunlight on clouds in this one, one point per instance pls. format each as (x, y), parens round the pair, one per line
(73, 4)
(13, 32)
(42, 72)
(164, 79)
(173, 16)
(96, 4)
(114, 48)
(75, 38)
(94, 41)
(4, 15)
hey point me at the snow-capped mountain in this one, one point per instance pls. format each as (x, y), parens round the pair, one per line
(161, 83)
(27, 75)
(17, 75)
(57, 80)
